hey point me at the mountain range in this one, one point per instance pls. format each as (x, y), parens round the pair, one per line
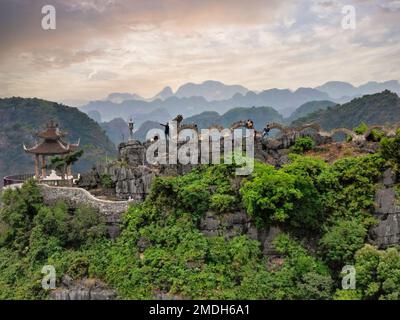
(376, 109)
(260, 116)
(339, 90)
(283, 100)
(191, 99)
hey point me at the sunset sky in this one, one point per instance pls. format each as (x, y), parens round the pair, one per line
(141, 46)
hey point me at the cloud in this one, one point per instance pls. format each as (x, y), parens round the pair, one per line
(101, 46)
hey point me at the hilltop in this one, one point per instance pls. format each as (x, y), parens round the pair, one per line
(260, 116)
(374, 109)
(309, 107)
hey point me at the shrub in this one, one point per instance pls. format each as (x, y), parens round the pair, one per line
(270, 195)
(378, 273)
(86, 226)
(301, 276)
(222, 202)
(295, 194)
(361, 129)
(303, 144)
(20, 206)
(341, 241)
(106, 181)
(390, 150)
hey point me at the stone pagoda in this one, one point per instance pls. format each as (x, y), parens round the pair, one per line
(52, 144)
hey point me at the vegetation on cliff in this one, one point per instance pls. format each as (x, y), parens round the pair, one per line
(324, 213)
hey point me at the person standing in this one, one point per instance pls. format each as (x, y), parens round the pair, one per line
(166, 130)
(266, 131)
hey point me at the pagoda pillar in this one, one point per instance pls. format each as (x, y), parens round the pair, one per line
(43, 166)
(69, 171)
(37, 172)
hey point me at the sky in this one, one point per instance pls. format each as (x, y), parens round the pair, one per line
(141, 46)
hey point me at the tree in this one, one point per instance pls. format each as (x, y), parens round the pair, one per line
(390, 149)
(270, 195)
(64, 163)
(378, 273)
(341, 241)
(20, 206)
(303, 144)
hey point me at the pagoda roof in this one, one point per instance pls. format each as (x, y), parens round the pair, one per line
(51, 132)
(52, 143)
(52, 147)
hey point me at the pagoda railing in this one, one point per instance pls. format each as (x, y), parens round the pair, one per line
(21, 178)
(16, 179)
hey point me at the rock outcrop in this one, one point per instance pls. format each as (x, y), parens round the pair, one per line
(234, 224)
(387, 232)
(131, 182)
(85, 289)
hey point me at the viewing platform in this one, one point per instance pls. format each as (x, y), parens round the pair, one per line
(51, 180)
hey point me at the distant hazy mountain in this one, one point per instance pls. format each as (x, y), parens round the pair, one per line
(378, 108)
(309, 107)
(95, 115)
(191, 99)
(260, 116)
(21, 118)
(158, 115)
(141, 133)
(209, 90)
(374, 87)
(139, 110)
(283, 100)
(163, 94)
(204, 119)
(117, 130)
(339, 90)
(117, 97)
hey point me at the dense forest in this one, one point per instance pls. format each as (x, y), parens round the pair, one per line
(325, 212)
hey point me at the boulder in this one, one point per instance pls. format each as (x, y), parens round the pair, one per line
(85, 289)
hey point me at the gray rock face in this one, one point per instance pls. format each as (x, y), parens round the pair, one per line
(131, 182)
(133, 153)
(86, 289)
(228, 225)
(267, 237)
(89, 179)
(389, 178)
(385, 201)
(387, 232)
(133, 175)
